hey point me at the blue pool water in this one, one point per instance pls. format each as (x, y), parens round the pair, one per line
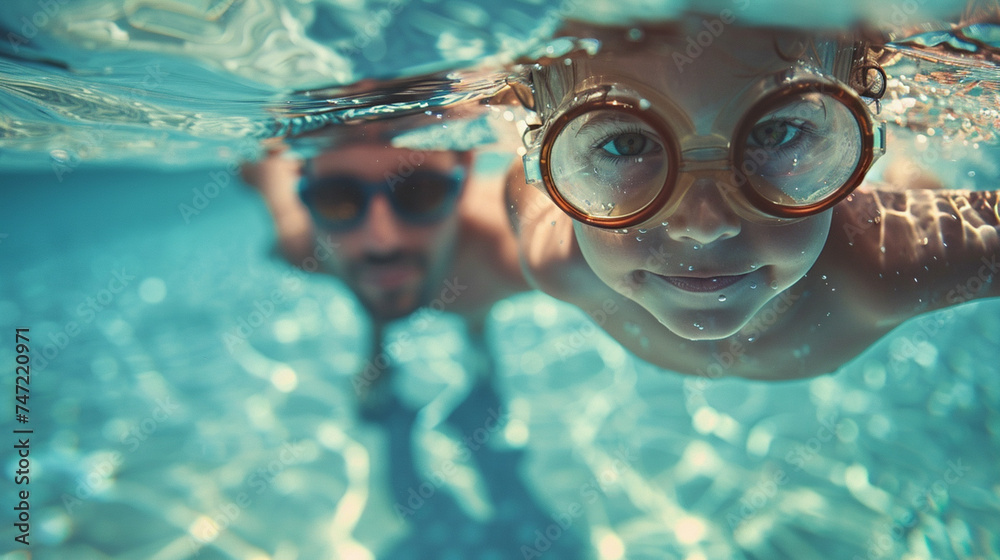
(181, 409)
(146, 427)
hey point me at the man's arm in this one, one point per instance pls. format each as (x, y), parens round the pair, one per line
(270, 177)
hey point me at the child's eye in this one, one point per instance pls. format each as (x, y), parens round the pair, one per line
(775, 133)
(628, 144)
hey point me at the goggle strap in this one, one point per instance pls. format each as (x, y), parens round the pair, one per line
(532, 166)
(879, 138)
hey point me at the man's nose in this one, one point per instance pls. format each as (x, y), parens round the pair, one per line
(381, 228)
(704, 215)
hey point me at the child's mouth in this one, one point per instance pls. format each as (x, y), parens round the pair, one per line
(706, 284)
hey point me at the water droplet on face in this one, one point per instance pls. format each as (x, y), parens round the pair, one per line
(753, 266)
(699, 327)
(664, 224)
(753, 285)
(638, 238)
(751, 338)
(642, 231)
(823, 277)
(695, 247)
(553, 222)
(882, 248)
(722, 297)
(774, 285)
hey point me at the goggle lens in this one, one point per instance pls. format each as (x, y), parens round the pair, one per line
(801, 151)
(609, 163)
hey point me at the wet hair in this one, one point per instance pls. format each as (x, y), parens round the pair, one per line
(851, 57)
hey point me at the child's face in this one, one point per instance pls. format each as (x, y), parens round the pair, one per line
(713, 265)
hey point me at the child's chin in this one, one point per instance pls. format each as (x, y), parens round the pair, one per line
(707, 331)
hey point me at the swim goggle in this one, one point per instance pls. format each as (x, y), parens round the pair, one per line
(791, 145)
(340, 202)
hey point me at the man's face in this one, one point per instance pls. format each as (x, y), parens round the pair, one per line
(392, 264)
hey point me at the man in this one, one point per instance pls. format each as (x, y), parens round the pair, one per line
(406, 227)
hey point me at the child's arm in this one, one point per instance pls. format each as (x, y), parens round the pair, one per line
(918, 250)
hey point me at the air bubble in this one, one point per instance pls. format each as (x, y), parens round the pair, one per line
(695, 247)
(751, 338)
(644, 104)
(753, 285)
(642, 231)
(823, 277)
(753, 266)
(722, 297)
(664, 224)
(699, 327)
(639, 238)
(691, 267)
(774, 285)
(972, 173)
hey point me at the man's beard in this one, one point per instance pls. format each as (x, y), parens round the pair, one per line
(391, 303)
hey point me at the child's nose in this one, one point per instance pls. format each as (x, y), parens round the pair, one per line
(703, 215)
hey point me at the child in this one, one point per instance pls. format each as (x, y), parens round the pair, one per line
(703, 206)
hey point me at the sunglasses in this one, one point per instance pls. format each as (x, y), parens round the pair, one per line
(340, 202)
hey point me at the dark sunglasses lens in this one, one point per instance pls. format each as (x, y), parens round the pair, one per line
(336, 200)
(425, 195)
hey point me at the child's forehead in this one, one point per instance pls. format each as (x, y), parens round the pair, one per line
(681, 50)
